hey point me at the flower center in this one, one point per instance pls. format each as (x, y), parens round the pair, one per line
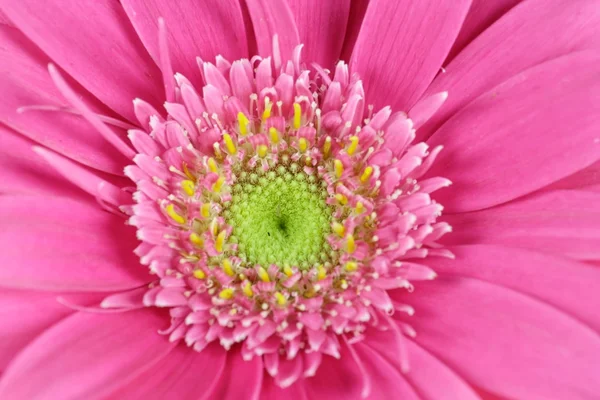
(280, 217)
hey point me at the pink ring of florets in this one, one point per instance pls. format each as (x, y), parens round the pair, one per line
(250, 118)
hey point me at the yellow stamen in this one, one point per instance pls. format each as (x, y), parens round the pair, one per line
(187, 172)
(220, 242)
(229, 143)
(227, 267)
(343, 200)
(310, 293)
(326, 147)
(288, 271)
(205, 210)
(263, 275)
(308, 161)
(360, 207)
(199, 274)
(212, 165)
(243, 122)
(262, 151)
(353, 145)
(350, 243)
(343, 284)
(274, 135)
(339, 168)
(170, 209)
(351, 266)
(218, 185)
(321, 273)
(226, 294)
(297, 115)
(366, 174)
(247, 288)
(217, 151)
(188, 187)
(338, 229)
(267, 112)
(196, 239)
(302, 144)
(281, 300)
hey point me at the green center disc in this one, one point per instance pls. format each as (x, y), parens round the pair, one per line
(280, 217)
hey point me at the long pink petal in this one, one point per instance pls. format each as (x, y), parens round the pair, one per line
(448, 385)
(273, 18)
(534, 129)
(587, 179)
(568, 285)
(86, 356)
(95, 44)
(238, 371)
(23, 171)
(270, 391)
(481, 15)
(402, 45)
(202, 29)
(54, 243)
(184, 374)
(506, 342)
(517, 41)
(565, 222)
(321, 25)
(27, 83)
(358, 8)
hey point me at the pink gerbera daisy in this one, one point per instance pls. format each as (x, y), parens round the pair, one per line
(254, 199)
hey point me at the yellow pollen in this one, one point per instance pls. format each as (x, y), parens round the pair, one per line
(366, 174)
(302, 144)
(218, 185)
(321, 273)
(188, 187)
(212, 165)
(288, 271)
(338, 229)
(297, 115)
(227, 267)
(350, 243)
(262, 151)
(199, 274)
(360, 207)
(281, 300)
(187, 172)
(226, 294)
(339, 168)
(310, 293)
(243, 122)
(196, 239)
(229, 143)
(170, 209)
(274, 135)
(205, 210)
(263, 275)
(326, 147)
(343, 200)
(343, 284)
(351, 266)
(247, 288)
(308, 161)
(268, 106)
(220, 241)
(353, 145)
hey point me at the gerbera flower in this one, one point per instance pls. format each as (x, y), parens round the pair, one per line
(259, 199)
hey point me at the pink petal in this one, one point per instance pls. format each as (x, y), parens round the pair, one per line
(511, 45)
(587, 179)
(54, 243)
(568, 285)
(566, 223)
(481, 15)
(25, 314)
(241, 380)
(512, 140)
(506, 342)
(24, 172)
(30, 85)
(86, 356)
(115, 69)
(184, 374)
(195, 29)
(273, 18)
(321, 25)
(358, 9)
(270, 391)
(401, 47)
